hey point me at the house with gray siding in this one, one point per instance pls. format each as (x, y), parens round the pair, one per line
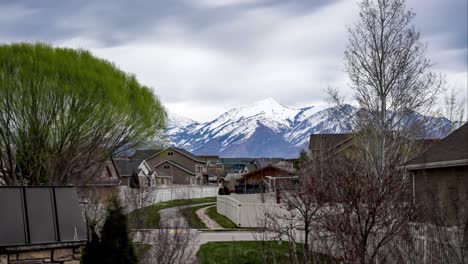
(182, 166)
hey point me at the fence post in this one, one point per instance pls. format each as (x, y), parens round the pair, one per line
(425, 247)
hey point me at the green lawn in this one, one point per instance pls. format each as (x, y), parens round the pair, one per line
(148, 217)
(245, 252)
(223, 221)
(192, 218)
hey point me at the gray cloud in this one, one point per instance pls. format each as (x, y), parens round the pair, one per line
(210, 55)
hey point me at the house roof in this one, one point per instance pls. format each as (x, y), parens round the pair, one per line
(181, 151)
(327, 141)
(127, 167)
(175, 164)
(141, 154)
(450, 151)
(266, 167)
(263, 162)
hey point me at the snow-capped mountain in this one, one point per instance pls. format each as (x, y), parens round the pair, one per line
(263, 129)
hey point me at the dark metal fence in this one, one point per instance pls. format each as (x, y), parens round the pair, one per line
(40, 215)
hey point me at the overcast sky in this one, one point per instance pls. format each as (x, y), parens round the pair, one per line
(203, 57)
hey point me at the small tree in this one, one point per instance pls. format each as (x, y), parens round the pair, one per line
(115, 245)
(303, 157)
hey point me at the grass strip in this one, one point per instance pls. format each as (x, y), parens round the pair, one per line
(223, 221)
(149, 218)
(248, 252)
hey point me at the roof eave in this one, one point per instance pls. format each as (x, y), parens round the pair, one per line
(438, 164)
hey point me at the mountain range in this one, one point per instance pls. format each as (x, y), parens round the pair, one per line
(266, 129)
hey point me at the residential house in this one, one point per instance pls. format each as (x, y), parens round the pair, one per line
(440, 178)
(181, 165)
(262, 178)
(135, 173)
(320, 144)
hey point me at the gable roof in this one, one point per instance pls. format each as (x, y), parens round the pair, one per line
(141, 154)
(181, 151)
(127, 167)
(175, 164)
(450, 151)
(267, 167)
(263, 162)
(327, 141)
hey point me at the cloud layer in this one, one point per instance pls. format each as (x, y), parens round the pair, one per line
(203, 57)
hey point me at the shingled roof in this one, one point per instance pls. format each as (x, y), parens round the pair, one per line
(326, 141)
(450, 151)
(127, 167)
(142, 154)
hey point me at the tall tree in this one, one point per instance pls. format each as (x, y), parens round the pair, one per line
(392, 80)
(62, 111)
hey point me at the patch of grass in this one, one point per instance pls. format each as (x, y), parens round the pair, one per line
(223, 221)
(247, 252)
(148, 217)
(192, 218)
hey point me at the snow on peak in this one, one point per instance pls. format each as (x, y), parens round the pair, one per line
(178, 120)
(267, 108)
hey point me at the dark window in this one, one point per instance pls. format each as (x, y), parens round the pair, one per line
(170, 153)
(166, 167)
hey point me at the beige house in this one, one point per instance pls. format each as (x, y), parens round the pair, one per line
(182, 166)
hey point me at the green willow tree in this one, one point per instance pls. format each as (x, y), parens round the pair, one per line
(62, 111)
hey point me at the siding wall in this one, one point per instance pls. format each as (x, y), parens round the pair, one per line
(442, 190)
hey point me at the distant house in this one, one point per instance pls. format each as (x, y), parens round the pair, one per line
(181, 165)
(325, 145)
(136, 173)
(440, 176)
(262, 178)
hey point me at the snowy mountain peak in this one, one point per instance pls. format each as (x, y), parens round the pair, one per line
(178, 120)
(267, 108)
(263, 128)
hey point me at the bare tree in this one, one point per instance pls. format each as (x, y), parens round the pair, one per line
(136, 198)
(454, 108)
(370, 199)
(169, 245)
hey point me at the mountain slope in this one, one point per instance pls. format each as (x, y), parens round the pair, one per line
(266, 129)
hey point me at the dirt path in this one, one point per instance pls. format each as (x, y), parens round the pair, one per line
(210, 223)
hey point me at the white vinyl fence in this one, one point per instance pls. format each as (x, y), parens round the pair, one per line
(425, 244)
(246, 210)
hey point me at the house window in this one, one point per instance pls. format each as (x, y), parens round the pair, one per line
(166, 167)
(170, 153)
